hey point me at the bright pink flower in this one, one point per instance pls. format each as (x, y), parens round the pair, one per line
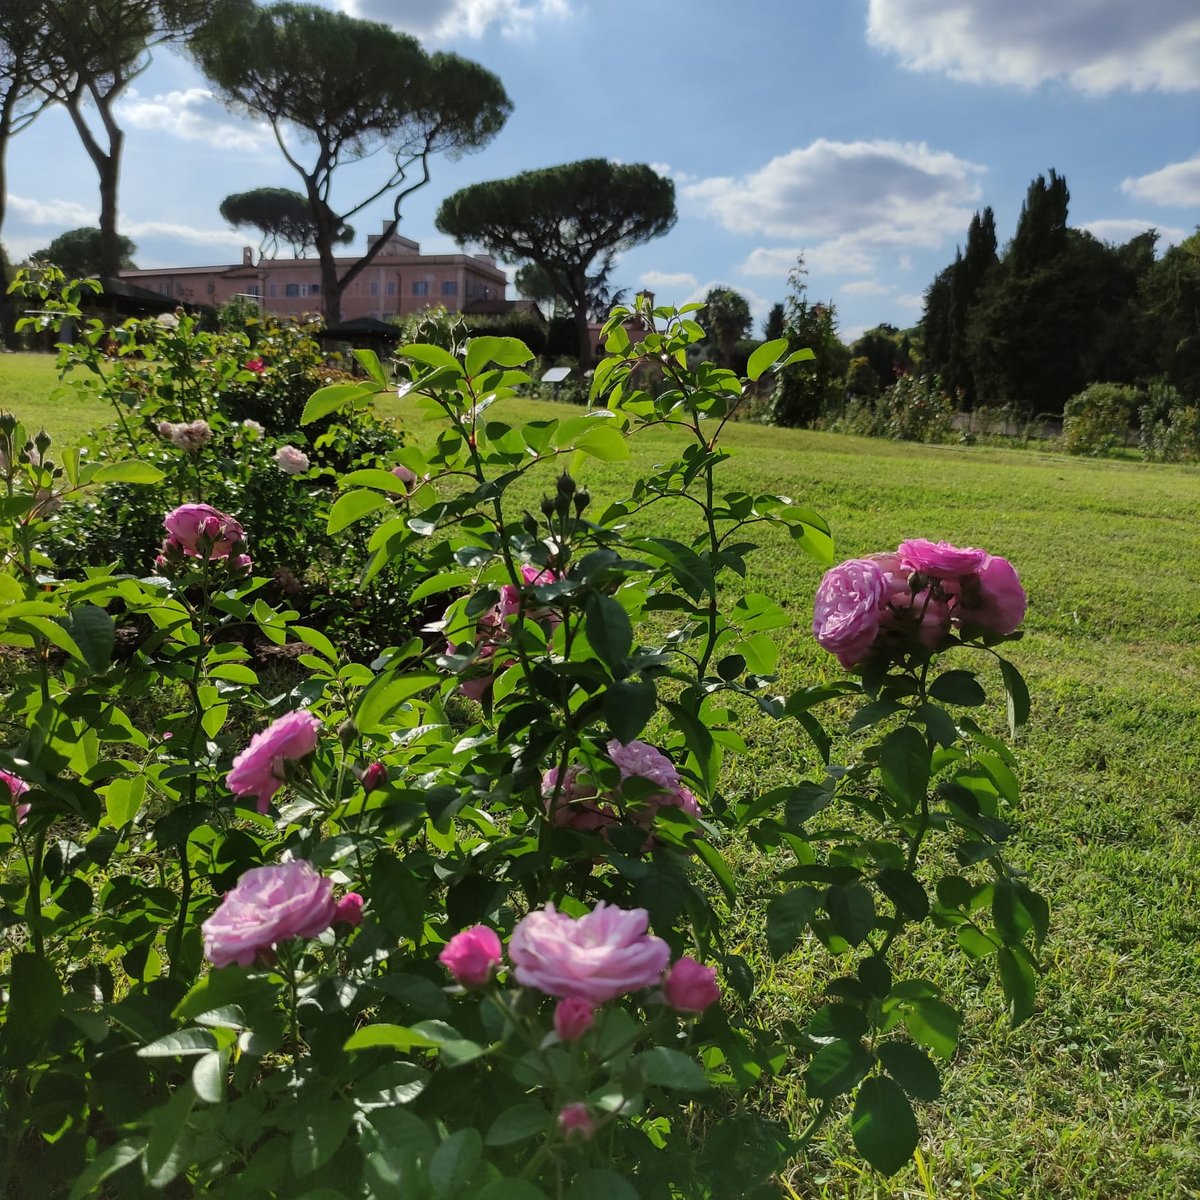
(850, 603)
(939, 560)
(643, 761)
(268, 905)
(573, 1017)
(259, 769)
(994, 599)
(348, 910)
(374, 776)
(256, 365)
(17, 787)
(193, 528)
(690, 986)
(472, 956)
(597, 957)
(575, 1123)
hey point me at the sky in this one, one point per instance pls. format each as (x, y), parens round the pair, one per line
(858, 134)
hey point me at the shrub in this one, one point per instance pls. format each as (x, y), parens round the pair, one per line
(1169, 428)
(1096, 421)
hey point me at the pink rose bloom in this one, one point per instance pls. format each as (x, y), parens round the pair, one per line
(406, 476)
(188, 523)
(348, 910)
(645, 762)
(679, 797)
(575, 1123)
(994, 599)
(375, 776)
(691, 987)
(850, 603)
(574, 806)
(17, 787)
(268, 905)
(510, 595)
(256, 365)
(164, 428)
(573, 1017)
(939, 560)
(259, 770)
(290, 460)
(597, 957)
(472, 956)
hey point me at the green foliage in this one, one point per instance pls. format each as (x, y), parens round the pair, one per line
(569, 221)
(77, 253)
(1169, 428)
(339, 1063)
(1097, 420)
(727, 315)
(279, 214)
(862, 378)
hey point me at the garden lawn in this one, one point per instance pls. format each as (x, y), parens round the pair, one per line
(1097, 1095)
(30, 388)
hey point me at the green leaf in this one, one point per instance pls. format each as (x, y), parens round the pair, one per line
(608, 630)
(511, 1188)
(503, 351)
(123, 799)
(912, 1069)
(668, 1068)
(94, 634)
(322, 1129)
(208, 1077)
(385, 694)
(836, 1068)
(369, 361)
(884, 1128)
(517, 1123)
(179, 1044)
(453, 1162)
(852, 912)
(1018, 978)
(353, 506)
(167, 1147)
(628, 705)
(788, 917)
(1017, 695)
(398, 1037)
(599, 1184)
(130, 470)
(933, 1024)
(904, 890)
(766, 354)
(605, 443)
(329, 399)
(108, 1163)
(904, 766)
(958, 687)
(432, 356)
(34, 1004)
(229, 985)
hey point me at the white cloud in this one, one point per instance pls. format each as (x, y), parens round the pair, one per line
(454, 18)
(1176, 184)
(911, 300)
(865, 287)
(193, 116)
(66, 214)
(1095, 46)
(1119, 230)
(882, 192)
(183, 233)
(667, 282)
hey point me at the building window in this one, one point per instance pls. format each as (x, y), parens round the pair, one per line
(391, 287)
(449, 287)
(271, 289)
(291, 289)
(373, 287)
(252, 290)
(314, 289)
(421, 288)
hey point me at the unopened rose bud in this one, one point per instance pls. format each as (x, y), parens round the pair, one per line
(348, 910)
(529, 524)
(347, 732)
(374, 776)
(575, 1123)
(547, 507)
(565, 485)
(582, 499)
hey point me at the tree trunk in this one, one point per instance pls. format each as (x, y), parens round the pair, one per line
(585, 340)
(109, 168)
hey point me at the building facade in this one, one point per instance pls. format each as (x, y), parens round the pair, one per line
(400, 280)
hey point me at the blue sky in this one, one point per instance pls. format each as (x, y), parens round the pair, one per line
(861, 133)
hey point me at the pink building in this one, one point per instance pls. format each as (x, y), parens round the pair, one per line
(400, 280)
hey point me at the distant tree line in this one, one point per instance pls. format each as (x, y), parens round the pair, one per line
(1059, 309)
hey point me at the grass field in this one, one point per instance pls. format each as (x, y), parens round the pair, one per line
(1098, 1095)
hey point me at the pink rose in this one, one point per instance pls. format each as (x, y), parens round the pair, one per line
(259, 770)
(573, 806)
(643, 761)
(290, 460)
(992, 600)
(256, 365)
(575, 1123)
(573, 1017)
(597, 957)
(348, 910)
(510, 597)
(268, 905)
(939, 560)
(190, 525)
(850, 603)
(375, 776)
(406, 476)
(691, 987)
(17, 787)
(472, 956)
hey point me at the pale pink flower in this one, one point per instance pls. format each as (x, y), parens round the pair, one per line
(939, 560)
(993, 599)
(259, 769)
(253, 428)
(573, 1017)
(196, 527)
(268, 905)
(597, 957)
(574, 807)
(643, 761)
(187, 435)
(17, 787)
(850, 603)
(472, 956)
(575, 1123)
(406, 475)
(290, 460)
(690, 986)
